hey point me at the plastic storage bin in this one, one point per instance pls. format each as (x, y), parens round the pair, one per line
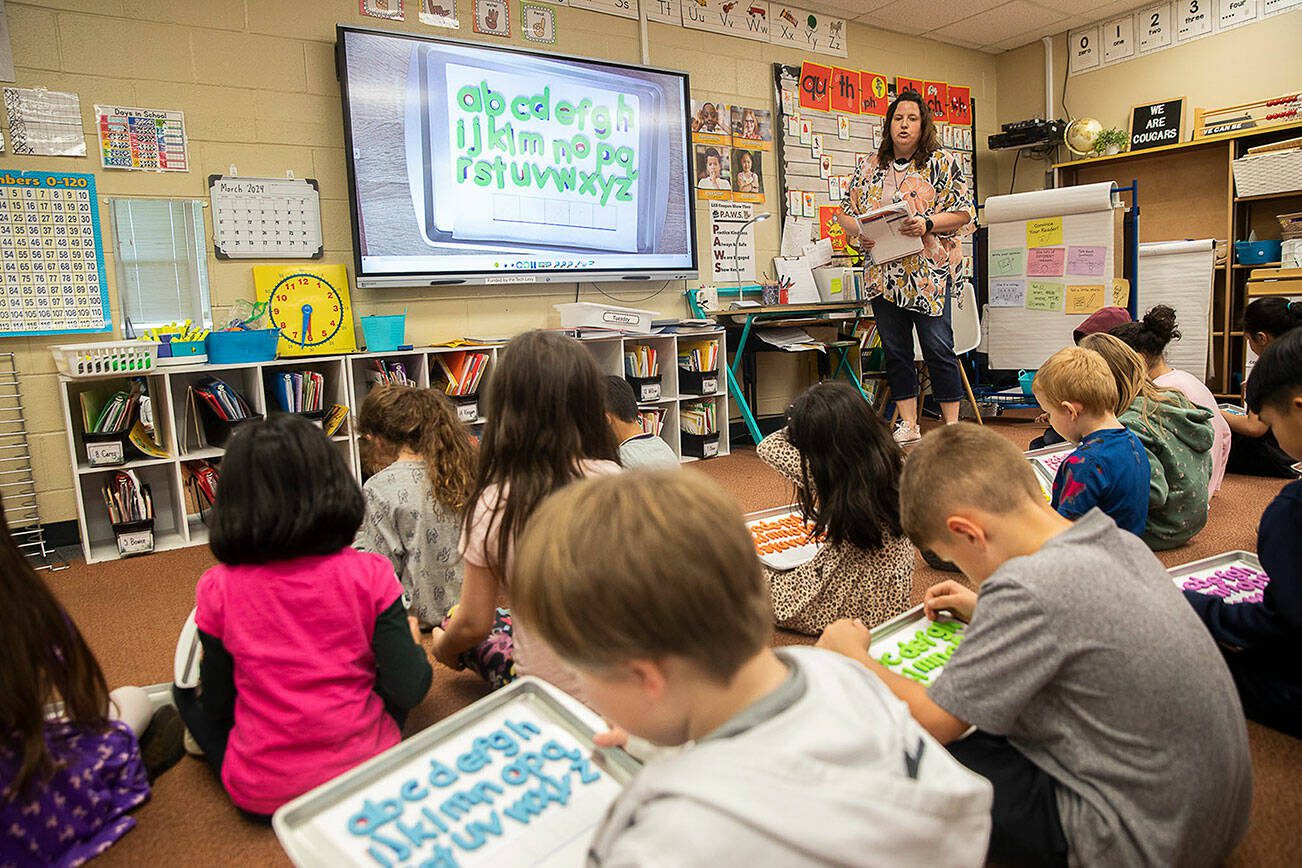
(1257, 252)
(587, 314)
(700, 445)
(183, 353)
(230, 348)
(110, 357)
(384, 334)
(698, 382)
(645, 389)
(1025, 378)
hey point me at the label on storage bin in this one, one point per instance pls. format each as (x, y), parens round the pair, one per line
(649, 391)
(710, 386)
(135, 542)
(468, 412)
(108, 452)
(710, 449)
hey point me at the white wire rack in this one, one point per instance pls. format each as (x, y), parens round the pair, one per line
(17, 483)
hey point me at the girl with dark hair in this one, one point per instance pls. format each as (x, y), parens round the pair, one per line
(546, 427)
(67, 781)
(914, 292)
(423, 463)
(845, 467)
(1253, 447)
(1149, 337)
(309, 661)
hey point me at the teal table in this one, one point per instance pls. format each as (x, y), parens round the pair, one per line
(758, 317)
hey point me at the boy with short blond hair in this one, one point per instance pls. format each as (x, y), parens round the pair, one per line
(1109, 467)
(796, 756)
(1105, 718)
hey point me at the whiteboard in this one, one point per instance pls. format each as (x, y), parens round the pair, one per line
(1179, 274)
(512, 780)
(1023, 338)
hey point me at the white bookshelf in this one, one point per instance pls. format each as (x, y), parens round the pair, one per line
(346, 382)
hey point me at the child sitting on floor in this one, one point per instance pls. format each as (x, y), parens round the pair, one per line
(546, 409)
(1178, 438)
(1253, 447)
(309, 661)
(796, 757)
(1149, 337)
(1100, 321)
(68, 781)
(423, 465)
(1259, 640)
(1109, 468)
(638, 449)
(1105, 718)
(845, 467)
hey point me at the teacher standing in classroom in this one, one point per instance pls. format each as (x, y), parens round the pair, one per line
(914, 292)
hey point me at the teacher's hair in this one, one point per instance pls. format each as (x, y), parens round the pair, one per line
(928, 141)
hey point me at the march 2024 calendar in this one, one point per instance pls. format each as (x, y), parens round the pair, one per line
(51, 255)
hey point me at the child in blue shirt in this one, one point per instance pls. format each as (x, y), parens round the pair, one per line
(1109, 468)
(1259, 640)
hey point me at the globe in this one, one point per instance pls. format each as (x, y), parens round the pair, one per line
(1080, 135)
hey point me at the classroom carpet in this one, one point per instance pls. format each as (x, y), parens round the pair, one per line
(131, 613)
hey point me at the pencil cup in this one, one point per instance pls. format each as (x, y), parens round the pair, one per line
(135, 537)
(105, 450)
(698, 382)
(645, 388)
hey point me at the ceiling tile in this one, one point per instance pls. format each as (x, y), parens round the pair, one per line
(899, 16)
(1001, 23)
(951, 40)
(842, 8)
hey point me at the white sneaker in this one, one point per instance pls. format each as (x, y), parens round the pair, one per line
(191, 746)
(907, 432)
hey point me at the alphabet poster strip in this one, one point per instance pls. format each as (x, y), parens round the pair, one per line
(744, 18)
(799, 28)
(664, 11)
(622, 8)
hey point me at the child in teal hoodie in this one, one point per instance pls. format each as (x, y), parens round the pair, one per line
(1178, 437)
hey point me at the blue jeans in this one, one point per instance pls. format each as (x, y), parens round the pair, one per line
(936, 336)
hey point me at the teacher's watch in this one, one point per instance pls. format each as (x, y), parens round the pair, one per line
(930, 224)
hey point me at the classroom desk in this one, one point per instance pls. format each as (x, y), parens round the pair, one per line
(783, 315)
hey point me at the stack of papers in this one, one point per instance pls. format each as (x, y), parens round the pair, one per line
(699, 418)
(226, 404)
(383, 372)
(792, 339)
(126, 499)
(699, 356)
(882, 226)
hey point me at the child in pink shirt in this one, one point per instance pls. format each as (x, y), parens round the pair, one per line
(546, 410)
(309, 661)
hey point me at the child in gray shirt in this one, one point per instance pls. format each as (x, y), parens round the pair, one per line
(638, 449)
(422, 460)
(1105, 716)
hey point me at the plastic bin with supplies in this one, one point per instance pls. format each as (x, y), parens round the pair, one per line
(105, 359)
(587, 314)
(234, 347)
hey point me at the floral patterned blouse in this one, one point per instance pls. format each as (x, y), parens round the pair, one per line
(920, 282)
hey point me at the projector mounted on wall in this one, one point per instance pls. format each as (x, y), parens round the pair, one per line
(1032, 133)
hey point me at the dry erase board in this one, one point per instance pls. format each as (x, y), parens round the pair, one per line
(265, 218)
(51, 255)
(513, 779)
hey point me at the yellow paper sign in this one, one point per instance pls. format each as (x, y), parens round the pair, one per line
(1044, 295)
(1044, 233)
(1083, 299)
(1120, 292)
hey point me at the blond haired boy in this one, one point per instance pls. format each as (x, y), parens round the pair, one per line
(1109, 468)
(650, 587)
(1105, 717)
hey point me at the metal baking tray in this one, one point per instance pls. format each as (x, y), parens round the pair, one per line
(308, 844)
(1040, 469)
(886, 636)
(1179, 573)
(788, 560)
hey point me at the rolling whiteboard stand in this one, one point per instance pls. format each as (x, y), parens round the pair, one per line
(1180, 274)
(1081, 220)
(265, 218)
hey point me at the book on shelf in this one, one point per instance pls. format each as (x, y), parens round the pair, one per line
(462, 371)
(384, 372)
(652, 421)
(226, 403)
(300, 391)
(699, 418)
(700, 356)
(334, 419)
(126, 499)
(641, 362)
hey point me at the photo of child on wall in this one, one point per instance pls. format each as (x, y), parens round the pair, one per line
(713, 172)
(711, 123)
(754, 125)
(747, 178)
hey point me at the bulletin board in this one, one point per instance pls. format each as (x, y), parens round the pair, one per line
(818, 149)
(51, 255)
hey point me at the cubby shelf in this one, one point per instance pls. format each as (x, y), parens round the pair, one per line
(346, 382)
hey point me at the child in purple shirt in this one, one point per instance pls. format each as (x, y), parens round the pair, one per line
(1109, 468)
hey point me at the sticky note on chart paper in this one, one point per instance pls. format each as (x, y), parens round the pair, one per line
(1087, 261)
(1120, 292)
(1046, 232)
(1007, 263)
(1045, 261)
(1083, 299)
(1007, 293)
(1044, 295)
